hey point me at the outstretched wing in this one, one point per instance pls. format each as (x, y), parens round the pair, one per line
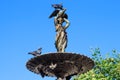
(54, 13)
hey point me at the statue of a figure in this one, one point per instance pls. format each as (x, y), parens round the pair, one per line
(59, 18)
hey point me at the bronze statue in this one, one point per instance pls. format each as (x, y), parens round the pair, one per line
(59, 18)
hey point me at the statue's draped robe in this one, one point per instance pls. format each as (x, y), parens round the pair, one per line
(61, 39)
(61, 36)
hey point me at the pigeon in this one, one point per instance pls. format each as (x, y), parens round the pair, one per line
(37, 52)
(57, 6)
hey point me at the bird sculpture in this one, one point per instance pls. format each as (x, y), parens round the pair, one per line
(58, 9)
(37, 52)
(57, 6)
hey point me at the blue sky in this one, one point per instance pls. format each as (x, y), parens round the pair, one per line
(24, 27)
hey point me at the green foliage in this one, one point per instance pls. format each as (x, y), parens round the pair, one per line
(107, 68)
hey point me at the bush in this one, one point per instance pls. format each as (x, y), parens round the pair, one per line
(106, 68)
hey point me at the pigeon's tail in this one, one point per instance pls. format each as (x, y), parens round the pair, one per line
(29, 53)
(35, 54)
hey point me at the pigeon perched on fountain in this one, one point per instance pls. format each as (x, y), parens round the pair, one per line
(37, 52)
